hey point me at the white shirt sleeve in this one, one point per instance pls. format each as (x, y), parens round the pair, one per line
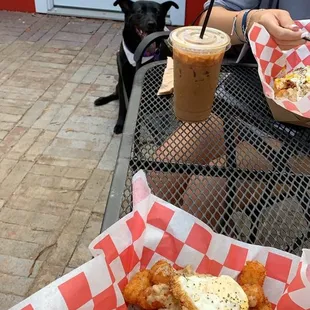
(235, 5)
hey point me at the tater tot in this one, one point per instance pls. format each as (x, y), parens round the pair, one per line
(265, 306)
(254, 293)
(148, 300)
(139, 282)
(252, 273)
(158, 297)
(161, 272)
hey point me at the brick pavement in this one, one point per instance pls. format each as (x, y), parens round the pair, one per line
(57, 151)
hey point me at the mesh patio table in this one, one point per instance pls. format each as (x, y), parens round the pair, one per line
(241, 172)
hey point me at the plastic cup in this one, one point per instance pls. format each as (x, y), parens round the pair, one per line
(197, 64)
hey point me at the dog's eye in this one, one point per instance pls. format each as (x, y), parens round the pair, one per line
(155, 11)
(141, 10)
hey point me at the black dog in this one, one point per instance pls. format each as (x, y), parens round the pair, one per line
(141, 19)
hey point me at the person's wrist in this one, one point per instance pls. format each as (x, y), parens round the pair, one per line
(254, 17)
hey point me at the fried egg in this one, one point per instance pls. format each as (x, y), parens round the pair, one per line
(202, 292)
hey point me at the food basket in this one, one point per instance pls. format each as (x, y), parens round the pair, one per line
(272, 62)
(157, 230)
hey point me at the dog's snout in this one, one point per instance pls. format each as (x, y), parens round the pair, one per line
(151, 24)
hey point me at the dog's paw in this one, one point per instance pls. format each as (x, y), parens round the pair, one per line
(101, 101)
(118, 129)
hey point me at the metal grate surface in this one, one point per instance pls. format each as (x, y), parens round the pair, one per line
(241, 172)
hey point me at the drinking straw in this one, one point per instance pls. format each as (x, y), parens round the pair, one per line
(205, 23)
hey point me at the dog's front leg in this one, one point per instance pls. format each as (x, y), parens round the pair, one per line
(105, 100)
(118, 129)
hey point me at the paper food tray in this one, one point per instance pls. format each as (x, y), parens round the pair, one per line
(272, 61)
(157, 230)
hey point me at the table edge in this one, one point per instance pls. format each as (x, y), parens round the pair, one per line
(115, 197)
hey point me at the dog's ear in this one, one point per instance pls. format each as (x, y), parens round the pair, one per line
(125, 5)
(167, 5)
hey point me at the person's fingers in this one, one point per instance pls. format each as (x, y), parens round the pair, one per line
(287, 45)
(285, 19)
(271, 23)
(283, 33)
(293, 27)
(305, 35)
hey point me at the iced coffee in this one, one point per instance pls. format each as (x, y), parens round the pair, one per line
(197, 64)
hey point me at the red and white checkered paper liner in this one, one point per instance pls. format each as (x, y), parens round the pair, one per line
(157, 230)
(272, 60)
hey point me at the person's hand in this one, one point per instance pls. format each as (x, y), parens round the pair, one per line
(280, 26)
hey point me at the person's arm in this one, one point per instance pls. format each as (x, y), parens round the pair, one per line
(223, 19)
(225, 12)
(277, 22)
